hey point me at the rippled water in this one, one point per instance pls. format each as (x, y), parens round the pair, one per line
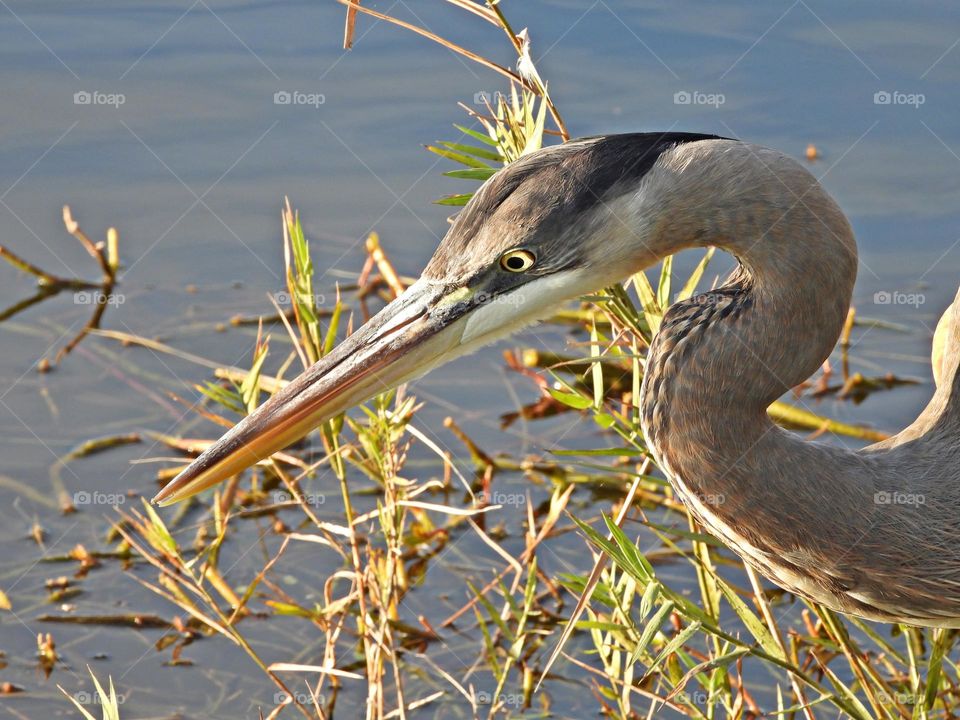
(193, 164)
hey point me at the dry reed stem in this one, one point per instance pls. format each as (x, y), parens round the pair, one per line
(506, 72)
(383, 264)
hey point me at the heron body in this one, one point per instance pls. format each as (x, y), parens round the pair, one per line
(874, 532)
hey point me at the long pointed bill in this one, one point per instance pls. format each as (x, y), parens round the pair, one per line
(417, 331)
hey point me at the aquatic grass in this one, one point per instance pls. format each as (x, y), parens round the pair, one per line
(489, 11)
(377, 572)
(108, 700)
(623, 315)
(616, 623)
(514, 127)
(882, 697)
(629, 620)
(191, 584)
(652, 643)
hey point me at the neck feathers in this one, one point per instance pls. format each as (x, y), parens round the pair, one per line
(720, 358)
(779, 316)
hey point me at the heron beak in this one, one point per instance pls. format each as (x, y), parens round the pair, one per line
(416, 332)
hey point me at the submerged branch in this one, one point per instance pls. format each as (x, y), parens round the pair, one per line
(100, 294)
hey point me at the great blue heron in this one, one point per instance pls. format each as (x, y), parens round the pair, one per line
(874, 532)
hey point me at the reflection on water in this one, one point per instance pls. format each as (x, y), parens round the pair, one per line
(169, 121)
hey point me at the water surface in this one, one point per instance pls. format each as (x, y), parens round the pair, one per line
(192, 168)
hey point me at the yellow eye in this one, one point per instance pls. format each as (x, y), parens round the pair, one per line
(517, 260)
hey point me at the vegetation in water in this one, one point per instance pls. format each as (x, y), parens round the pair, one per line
(618, 626)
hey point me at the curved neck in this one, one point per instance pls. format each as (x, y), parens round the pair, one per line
(722, 357)
(816, 518)
(798, 261)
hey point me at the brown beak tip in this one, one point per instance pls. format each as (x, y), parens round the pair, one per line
(160, 499)
(170, 494)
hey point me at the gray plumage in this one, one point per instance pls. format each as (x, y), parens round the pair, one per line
(874, 532)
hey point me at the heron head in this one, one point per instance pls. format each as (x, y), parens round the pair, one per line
(550, 227)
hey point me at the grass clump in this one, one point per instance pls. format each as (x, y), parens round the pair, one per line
(108, 700)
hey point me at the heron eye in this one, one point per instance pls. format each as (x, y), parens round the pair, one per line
(517, 260)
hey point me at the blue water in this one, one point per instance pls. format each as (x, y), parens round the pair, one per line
(192, 167)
